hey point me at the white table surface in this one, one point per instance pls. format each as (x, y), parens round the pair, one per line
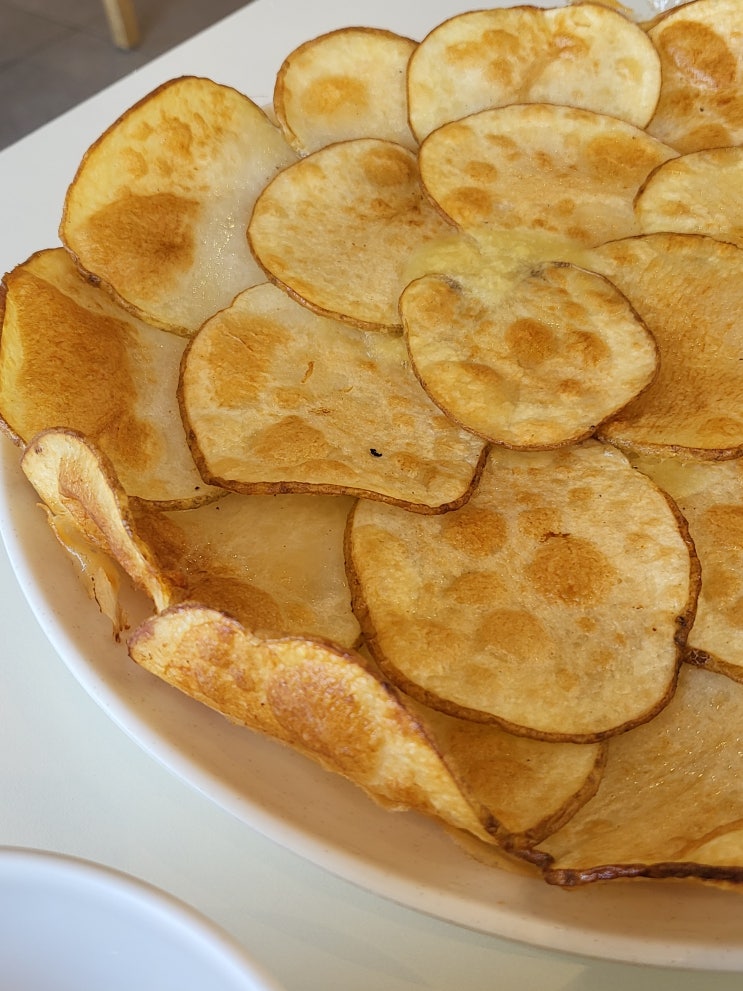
(72, 781)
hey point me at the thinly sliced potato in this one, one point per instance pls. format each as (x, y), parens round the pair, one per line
(525, 789)
(583, 55)
(275, 563)
(698, 193)
(158, 209)
(701, 54)
(349, 83)
(555, 602)
(670, 803)
(70, 357)
(91, 515)
(312, 695)
(710, 495)
(555, 170)
(688, 289)
(280, 399)
(337, 229)
(535, 359)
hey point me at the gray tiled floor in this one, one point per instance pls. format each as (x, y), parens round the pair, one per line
(55, 53)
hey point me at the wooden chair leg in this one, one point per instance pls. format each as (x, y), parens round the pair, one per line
(122, 21)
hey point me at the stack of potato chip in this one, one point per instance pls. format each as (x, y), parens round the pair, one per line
(414, 406)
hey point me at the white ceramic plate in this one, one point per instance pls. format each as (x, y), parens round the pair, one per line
(71, 925)
(289, 799)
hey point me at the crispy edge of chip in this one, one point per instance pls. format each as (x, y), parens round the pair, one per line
(684, 622)
(209, 669)
(317, 488)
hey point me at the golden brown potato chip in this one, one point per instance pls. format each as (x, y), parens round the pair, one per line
(698, 193)
(280, 399)
(701, 96)
(312, 695)
(583, 55)
(670, 803)
(554, 602)
(337, 229)
(534, 357)
(275, 563)
(554, 170)
(91, 515)
(710, 495)
(345, 84)
(160, 203)
(525, 789)
(70, 357)
(688, 289)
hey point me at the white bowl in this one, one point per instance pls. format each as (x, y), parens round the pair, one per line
(70, 925)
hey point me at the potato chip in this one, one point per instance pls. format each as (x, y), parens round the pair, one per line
(70, 357)
(535, 167)
(555, 602)
(158, 209)
(701, 54)
(584, 55)
(312, 695)
(525, 789)
(535, 359)
(280, 399)
(670, 803)
(710, 495)
(349, 83)
(698, 193)
(337, 229)
(275, 563)
(688, 289)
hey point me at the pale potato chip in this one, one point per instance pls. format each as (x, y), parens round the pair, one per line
(525, 789)
(555, 602)
(312, 695)
(583, 55)
(710, 495)
(670, 803)
(275, 563)
(688, 289)
(336, 230)
(349, 83)
(158, 209)
(70, 357)
(536, 167)
(91, 515)
(698, 193)
(701, 96)
(535, 359)
(280, 399)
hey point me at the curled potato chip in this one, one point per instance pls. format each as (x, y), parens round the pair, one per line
(584, 55)
(280, 399)
(312, 695)
(670, 803)
(345, 84)
(688, 289)
(698, 193)
(535, 359)
(710, 495)
(275, 563)
(701, 54)
(337, 229)
(555, 602)
(70, 357)
(158, 209)
(554, 170)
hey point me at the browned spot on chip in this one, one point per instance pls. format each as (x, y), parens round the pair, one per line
(571, 569)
